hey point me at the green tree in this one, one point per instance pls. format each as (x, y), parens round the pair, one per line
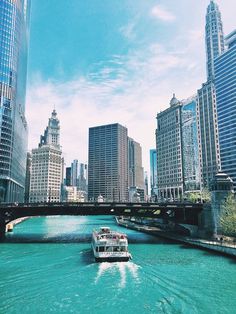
(228, 217)
(205, 196)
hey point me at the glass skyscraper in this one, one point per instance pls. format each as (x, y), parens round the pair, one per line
(191, 166)
(14, 22)
(225, 82)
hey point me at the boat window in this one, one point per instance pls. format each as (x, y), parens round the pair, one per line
(123, 249)
(96, 249)
(116, 249)
(101, 248)
(109, 249)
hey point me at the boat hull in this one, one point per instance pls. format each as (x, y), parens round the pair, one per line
(111, 259)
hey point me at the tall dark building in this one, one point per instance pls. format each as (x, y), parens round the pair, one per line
(108, 162)
(68, 176)
(14, 22)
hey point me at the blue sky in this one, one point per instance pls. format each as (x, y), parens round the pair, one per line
(107, 61)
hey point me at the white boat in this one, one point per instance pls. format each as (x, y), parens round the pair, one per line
(110, 246)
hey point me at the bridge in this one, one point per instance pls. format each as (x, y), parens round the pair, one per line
(186, 213)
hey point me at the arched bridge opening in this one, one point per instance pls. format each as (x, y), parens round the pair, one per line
(177, 212)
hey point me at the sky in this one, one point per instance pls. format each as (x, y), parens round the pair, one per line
(113, 61)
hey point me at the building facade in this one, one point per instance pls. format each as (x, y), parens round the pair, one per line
(135, 168)
(74, 172)
(178, 166)
(73, 194)
(28, 176)
(14, 33)
(108, 162)
(169, 152)
(47, 165)
(190, 148)
(153, 172)
(225, 83)
(82, 182)
(68, 176)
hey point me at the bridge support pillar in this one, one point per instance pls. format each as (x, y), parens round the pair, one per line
(222, 186)
(2, 229)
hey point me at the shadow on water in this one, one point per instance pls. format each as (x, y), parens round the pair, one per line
(137, 238)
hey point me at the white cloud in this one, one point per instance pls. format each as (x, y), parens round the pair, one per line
(128, 90)
(161, 13)
(128, 30)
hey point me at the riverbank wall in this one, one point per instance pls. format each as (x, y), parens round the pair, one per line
(219, 247)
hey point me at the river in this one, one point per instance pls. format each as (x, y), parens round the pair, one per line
(46, 266)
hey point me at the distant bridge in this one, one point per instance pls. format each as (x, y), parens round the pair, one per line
(186, 213)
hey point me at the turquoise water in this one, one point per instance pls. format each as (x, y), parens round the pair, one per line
(46, 266)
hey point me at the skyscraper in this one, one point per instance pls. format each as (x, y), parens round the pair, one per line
(208, 133)
(136, 173)
(68, 176)
(74, 172)
(153, 172)
(108, 162)
(82, 177)
(190, 149)
(47, 163)
(14, 24)
(169, 151)
(214, 37)
(225, 82)
(178, 170)
(206, 106)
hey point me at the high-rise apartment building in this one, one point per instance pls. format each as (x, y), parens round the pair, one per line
(153, 172)
(225, 83)
(108, 162)
(14, 26)
(47, 164)
(214, 37)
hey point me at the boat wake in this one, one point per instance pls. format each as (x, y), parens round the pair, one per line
(123, 268)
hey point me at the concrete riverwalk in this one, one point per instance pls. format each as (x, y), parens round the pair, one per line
(222, 247)
(10, 225)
